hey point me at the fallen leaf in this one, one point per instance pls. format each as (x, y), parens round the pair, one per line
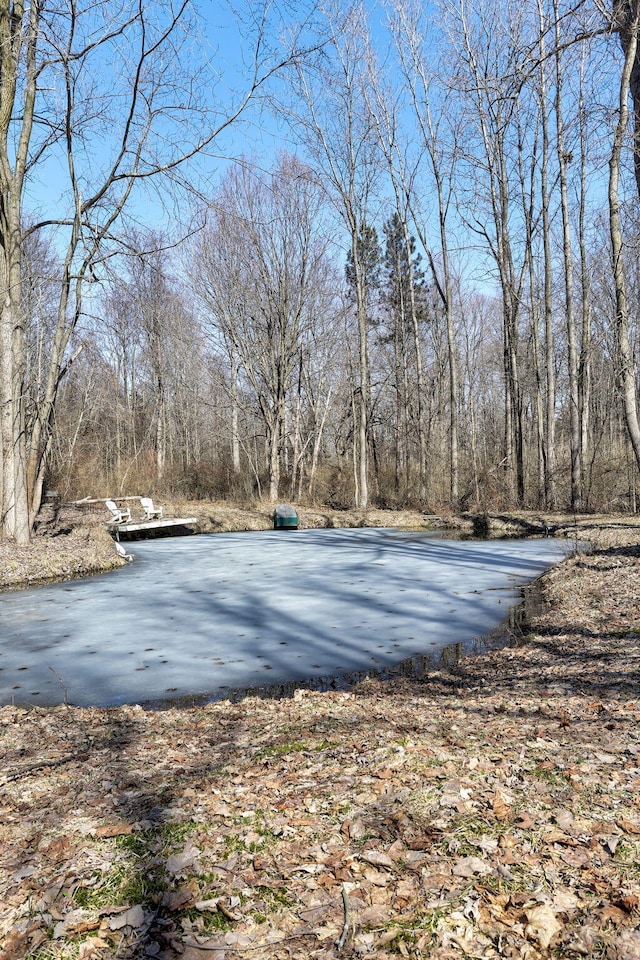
(565, 820)
(565, 900)
(206, 950)
(179, 863)
(75, 923)
(470, 867)
(130, 918)
(500, 806)
(557, 836)
(628, 825)
(629, 903)
(584, 939)
(177, 899)
(525, 821)
(114, 830)
(543, 925)
(314, 914)
(377, 858)
(91, 947)
(628, 945)
(375, 916)
(355, 829)
(613, 915)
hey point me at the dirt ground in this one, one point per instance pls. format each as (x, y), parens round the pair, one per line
(491, 809)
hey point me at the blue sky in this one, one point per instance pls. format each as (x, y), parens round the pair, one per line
(224, 46)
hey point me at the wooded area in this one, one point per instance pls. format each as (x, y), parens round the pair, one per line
(428, 296)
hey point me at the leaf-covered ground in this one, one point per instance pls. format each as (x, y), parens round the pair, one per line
(488, 811)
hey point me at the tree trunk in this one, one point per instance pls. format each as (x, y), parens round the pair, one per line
(15, 506)
(549, 448)
(626, 15)
(235, 433)
(415, 332)
(584, 363)
(18, 44)
(626, 369)
(572, 347)
(362, 391)
(274, 462)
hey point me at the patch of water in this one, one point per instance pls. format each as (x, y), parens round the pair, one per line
(205, 617)
(510, 632)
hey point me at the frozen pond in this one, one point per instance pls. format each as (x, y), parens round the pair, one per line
(201, 616)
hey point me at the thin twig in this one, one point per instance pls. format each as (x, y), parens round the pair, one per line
(255, 946)
(62, 684)
(43, 763)
(340, 942)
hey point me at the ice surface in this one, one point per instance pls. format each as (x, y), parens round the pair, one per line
(199, 616)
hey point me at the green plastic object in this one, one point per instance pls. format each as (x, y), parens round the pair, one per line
(285, 517)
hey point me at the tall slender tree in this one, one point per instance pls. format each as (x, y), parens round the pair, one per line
(329, 112)
(404, 295)
(628, 18)
(113, 98)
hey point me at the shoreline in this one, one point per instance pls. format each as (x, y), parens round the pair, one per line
(72, 542)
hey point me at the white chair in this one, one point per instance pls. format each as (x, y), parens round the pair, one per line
(118, 515)
(150, 512)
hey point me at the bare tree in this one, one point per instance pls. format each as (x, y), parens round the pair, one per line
(491, 83)
(113, 96)
(385, 105)
(262, 276)
(629, 38)
(564, 158)
(329, 113)
(624, 21)
(548, 440)
(149, 324)
(436, 129)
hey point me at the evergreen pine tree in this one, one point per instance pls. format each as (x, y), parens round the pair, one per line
(370, 257)
(397, 276)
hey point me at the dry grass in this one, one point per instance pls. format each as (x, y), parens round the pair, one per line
(79, 553)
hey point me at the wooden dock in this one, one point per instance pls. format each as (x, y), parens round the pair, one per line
(140, 526)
